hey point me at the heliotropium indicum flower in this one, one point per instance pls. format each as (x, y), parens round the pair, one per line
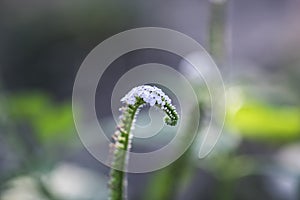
(133, 101)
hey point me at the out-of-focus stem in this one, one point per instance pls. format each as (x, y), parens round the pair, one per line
(217, 29)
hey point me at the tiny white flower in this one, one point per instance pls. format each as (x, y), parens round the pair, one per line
(152, 102)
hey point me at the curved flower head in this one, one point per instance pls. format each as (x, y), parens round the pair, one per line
(153, 96)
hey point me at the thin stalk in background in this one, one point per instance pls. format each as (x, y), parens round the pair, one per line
(167, 184)
(217, 29)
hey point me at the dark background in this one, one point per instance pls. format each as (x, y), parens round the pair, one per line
(43, 44)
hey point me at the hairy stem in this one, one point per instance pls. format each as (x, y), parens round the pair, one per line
(134, 100)
(118, 182)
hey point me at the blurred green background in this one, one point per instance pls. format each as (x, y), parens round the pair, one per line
(256, 45)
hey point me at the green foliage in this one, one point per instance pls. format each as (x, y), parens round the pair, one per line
(263, 121)
(50, 121)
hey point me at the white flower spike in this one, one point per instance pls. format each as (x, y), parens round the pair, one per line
(153, 96)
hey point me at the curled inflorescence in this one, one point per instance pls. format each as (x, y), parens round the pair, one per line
(133, 102)
(153, 96)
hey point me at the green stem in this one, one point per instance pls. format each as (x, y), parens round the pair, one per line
(134, 100)
(226, 189)
(166, 184)
(168, 181)
(118, 182)
(217, 29)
